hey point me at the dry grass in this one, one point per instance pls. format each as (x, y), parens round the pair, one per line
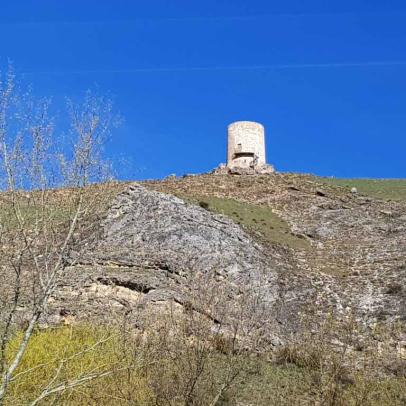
(386, 189)
(170, 369)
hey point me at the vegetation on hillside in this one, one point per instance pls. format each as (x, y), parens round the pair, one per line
(387, 189)
(183, 363)
(155, 368)
(258, 219)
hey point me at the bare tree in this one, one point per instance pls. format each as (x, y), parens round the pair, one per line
(46, 210)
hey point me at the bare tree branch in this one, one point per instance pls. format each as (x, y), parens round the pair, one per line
(41, 229)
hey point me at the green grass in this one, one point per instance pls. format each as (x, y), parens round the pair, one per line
(387, 189)
(259, 219)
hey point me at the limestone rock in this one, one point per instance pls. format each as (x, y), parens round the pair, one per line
(154, 247)
(148, 227)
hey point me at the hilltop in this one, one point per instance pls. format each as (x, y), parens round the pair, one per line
(324, 249)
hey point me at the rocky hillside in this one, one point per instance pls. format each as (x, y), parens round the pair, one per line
(303, 246)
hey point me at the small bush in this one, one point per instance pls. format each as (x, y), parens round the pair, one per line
(204, 205)
(301, 356)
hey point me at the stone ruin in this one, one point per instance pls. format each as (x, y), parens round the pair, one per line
(245, 150)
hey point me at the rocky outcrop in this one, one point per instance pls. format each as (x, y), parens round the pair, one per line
(156, 249)
(355, 263)
(148, 228)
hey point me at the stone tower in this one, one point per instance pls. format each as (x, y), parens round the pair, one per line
(246, 145)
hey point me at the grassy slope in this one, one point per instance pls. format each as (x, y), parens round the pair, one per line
(387, 189)
(263, 221)
(258, 219)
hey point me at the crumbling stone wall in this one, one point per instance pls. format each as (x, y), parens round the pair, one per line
(246, 145)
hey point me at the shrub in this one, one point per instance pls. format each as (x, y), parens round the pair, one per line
(63, 354)
(178, 362)
(300, 355)
(204, 205)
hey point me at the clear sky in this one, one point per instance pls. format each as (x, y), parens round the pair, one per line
(326, 78)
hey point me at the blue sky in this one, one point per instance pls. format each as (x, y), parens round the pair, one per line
(326, 78)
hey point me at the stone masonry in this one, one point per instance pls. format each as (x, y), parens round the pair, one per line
(245, 150)
(246, 144)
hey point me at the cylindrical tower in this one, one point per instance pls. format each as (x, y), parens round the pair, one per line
(246, 144)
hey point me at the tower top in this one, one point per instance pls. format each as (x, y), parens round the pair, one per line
(246, 123)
